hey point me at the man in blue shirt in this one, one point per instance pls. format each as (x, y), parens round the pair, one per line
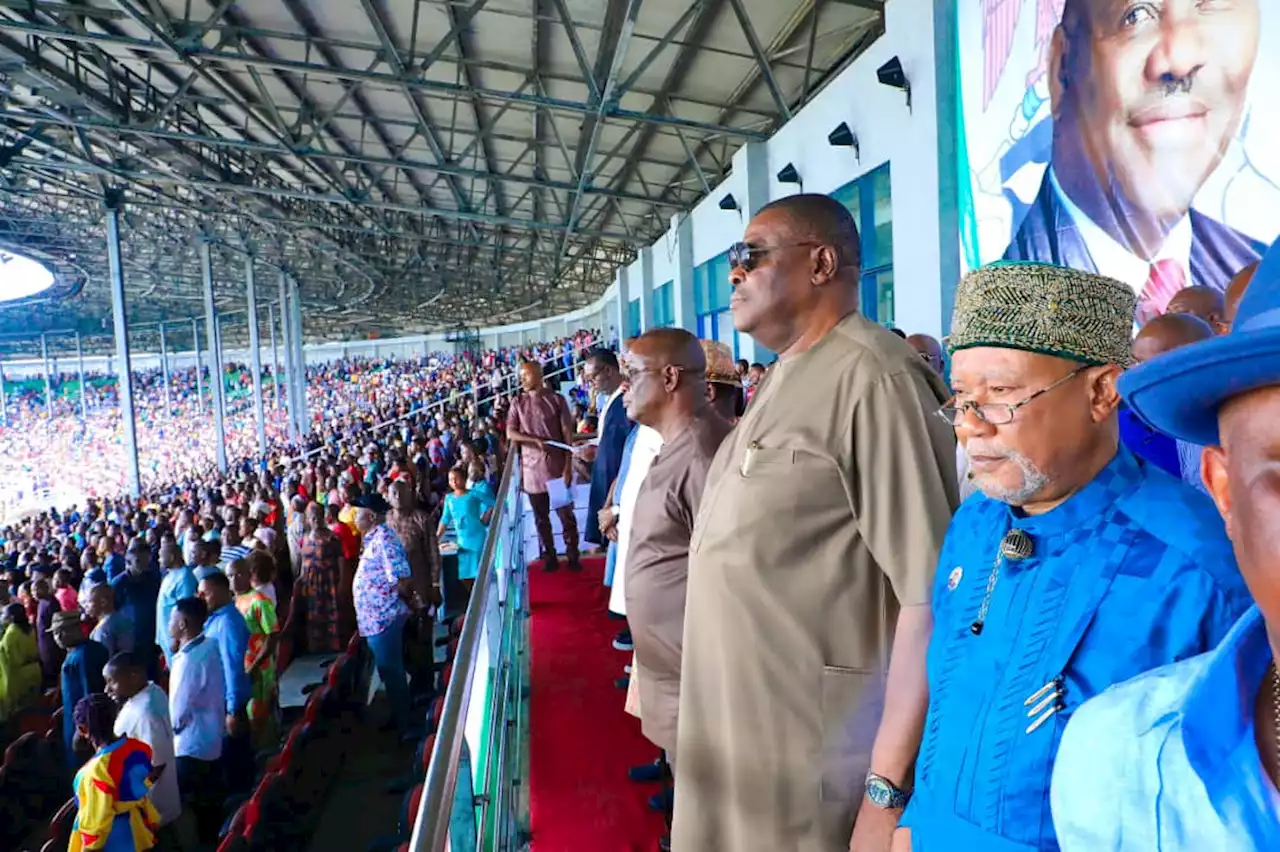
(81, 675)
(177, 583)
(1078, 566)
(225, 627)
(137, 589)
(1186, 758)
(197, 701)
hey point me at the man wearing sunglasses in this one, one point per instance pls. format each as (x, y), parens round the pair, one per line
(1077, 567)
(813, 552)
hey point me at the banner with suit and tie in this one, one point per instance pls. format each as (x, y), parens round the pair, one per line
(1134, 138)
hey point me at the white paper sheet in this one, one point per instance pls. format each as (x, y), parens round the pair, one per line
(559, 494)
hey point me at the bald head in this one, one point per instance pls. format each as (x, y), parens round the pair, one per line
(820, 219)
(1203, 302)
(671, 347)
(1168, 332)
(664, 370)
(928, 349)
(1235, 292)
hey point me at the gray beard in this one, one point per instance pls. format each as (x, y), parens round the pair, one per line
(1033, 482)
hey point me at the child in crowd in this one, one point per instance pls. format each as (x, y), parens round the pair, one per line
(465, 510)
(264, 633)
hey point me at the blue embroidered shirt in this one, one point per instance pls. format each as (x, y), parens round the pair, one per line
(1167, 762)
(1132, 572)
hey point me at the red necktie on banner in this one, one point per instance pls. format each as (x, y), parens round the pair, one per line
(1164, 281)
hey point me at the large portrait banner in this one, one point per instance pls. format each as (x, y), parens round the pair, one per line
(1139, 139)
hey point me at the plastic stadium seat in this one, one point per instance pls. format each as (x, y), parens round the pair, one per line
(234, 827)
(234, 843)
(60, 828)
(434, 714)
(409, 810)
(427, 746)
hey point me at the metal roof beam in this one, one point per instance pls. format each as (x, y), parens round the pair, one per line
(613, 52)
(419, 109)
(265, 148)
(762, 61)
(317, 70)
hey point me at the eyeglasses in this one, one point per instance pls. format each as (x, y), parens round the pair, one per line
(1000, 413)
(629, 376)
(746, 256)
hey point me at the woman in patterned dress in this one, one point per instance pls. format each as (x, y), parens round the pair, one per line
(259, 613)
(316, 594)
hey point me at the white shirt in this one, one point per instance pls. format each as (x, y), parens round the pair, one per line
(145, 717)
(1117, 261)
(197, 700)
(645, 449)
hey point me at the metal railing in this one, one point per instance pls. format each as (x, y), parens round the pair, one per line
(471, 796)
(510, 384)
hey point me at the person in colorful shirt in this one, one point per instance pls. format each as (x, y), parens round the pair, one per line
(111, 790)
(383, 591)
(1077, 566)
(264, 635)
(19, 661)
(465, 510)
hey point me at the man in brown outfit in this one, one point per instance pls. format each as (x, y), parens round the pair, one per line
(540, 415)
(812, 561)
(665, 376)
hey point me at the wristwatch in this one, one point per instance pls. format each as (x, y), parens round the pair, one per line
(884, 794)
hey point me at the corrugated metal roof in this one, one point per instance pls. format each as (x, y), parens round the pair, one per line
(417, 164)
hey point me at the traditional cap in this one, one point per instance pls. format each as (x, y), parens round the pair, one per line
(372, 501)
(720, 366)
(1052, 310)
(64, 618)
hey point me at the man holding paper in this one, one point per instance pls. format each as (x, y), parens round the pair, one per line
(540, 422)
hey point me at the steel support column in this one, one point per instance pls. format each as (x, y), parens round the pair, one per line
(48, 379)
(84, 399)
(300, 359)
(215, 357)
(114, 201)
(292, 403)
(195, 345)
(164, 372)
(275, 354)
(255, 353)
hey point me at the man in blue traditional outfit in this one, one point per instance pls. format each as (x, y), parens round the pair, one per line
(1076, 567)
(1187, 758)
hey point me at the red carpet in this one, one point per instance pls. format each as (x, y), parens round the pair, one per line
(583, 742)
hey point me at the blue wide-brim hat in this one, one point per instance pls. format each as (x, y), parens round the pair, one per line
(1180, 392)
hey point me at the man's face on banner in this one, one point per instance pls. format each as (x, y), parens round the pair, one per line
(1158, 91)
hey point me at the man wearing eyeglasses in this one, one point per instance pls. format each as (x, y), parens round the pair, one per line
(812, 556)
(1078, 567)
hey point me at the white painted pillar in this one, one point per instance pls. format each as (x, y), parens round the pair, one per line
(682, 302)
(646, 289)
(751, 162)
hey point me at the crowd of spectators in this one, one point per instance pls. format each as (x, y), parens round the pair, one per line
(160, 619)
(58, 454)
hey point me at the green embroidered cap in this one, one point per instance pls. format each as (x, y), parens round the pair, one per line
(1053, 310)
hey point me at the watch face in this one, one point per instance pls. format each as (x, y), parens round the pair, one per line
(879, 792)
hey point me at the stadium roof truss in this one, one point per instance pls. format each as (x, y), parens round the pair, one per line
(414, 164)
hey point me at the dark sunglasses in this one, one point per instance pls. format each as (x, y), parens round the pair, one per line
(746, 256)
